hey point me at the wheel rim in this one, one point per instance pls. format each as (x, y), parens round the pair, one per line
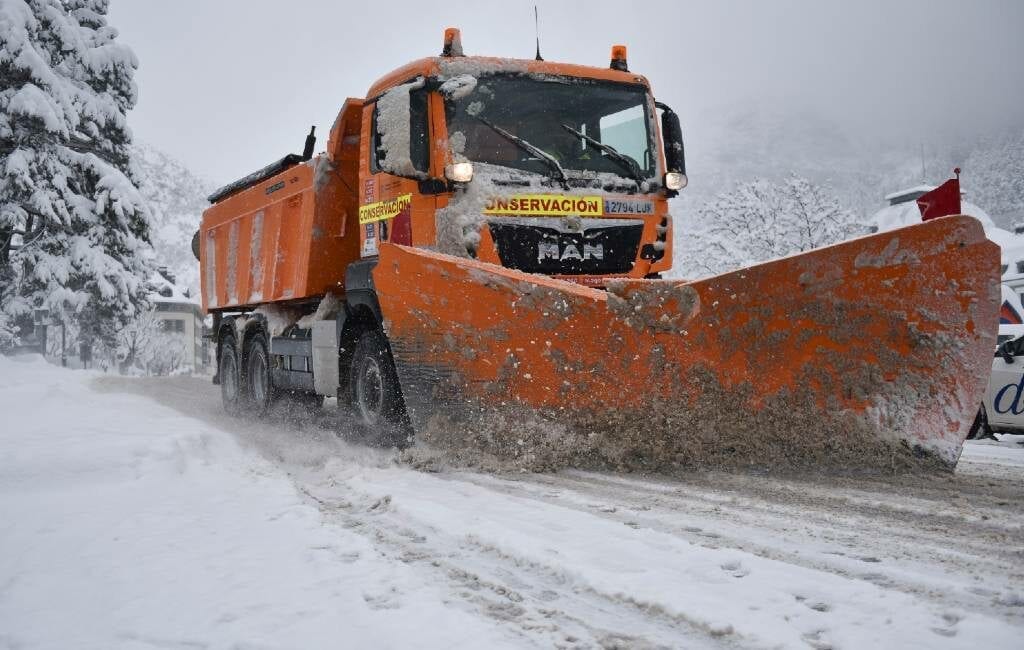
(258, 377)
(370, 391)
(229, 377)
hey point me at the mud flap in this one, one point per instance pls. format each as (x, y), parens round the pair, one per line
(872, 353)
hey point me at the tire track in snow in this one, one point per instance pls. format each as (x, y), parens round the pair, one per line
(536, 598)
(548, 607)
(915, 527)
(781, 532)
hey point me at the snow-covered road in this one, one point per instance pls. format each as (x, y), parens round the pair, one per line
(134, 514)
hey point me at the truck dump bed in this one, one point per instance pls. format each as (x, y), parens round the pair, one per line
(286, 237)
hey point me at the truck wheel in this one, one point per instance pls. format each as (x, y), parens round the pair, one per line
(230, 378)
(374, 392)
(257, 372)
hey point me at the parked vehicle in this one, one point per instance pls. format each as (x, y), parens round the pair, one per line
(1003, 408)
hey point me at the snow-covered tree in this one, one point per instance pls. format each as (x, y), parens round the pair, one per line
(176, 198)
(8, 336)
(74, 234)
(761, 220)
(145, 345)
(994, 177)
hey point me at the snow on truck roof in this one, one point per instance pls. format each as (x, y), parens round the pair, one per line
(450, 66)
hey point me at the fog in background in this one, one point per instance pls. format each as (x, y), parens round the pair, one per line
(227, 86)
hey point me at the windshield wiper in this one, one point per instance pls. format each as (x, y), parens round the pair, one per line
(624, 161)
(555, 166)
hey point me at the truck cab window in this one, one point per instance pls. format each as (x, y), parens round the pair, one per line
(419, 137)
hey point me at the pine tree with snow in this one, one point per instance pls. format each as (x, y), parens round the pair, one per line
(994, 177)
(177, 198)
(74, 233)
(762, 220)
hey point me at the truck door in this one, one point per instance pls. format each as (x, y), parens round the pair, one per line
(396, 158)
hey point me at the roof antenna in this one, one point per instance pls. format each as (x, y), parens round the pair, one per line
(536, 30)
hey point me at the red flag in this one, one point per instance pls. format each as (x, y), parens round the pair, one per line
(943, 201)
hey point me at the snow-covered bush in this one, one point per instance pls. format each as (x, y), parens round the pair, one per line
(145, 347)
(761, 220)
(74, 232)
(168, 356)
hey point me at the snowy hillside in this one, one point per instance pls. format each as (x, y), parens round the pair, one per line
(177, 198)
(741, 143)
(733, 150)
(744, 143)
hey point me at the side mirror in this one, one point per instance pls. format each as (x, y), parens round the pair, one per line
(672, 132)
(1005, 350)
(675, 155)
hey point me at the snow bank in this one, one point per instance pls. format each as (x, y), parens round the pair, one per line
(126, 524)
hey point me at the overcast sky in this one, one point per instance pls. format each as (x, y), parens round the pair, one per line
(227, 86)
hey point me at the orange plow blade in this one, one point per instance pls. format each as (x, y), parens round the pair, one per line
(873, 353)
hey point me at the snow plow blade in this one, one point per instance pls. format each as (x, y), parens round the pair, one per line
(873, 353)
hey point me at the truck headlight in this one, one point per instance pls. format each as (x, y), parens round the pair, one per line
(460, 172)
(675, 180)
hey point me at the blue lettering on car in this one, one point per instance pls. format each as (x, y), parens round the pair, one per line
(1015, 406)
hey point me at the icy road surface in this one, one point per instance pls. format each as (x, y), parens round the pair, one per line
(133, 514)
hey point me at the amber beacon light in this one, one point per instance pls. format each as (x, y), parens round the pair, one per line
(619, 58)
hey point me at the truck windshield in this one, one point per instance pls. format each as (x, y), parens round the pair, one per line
(581, 124)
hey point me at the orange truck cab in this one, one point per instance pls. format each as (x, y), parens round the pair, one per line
(542, 167)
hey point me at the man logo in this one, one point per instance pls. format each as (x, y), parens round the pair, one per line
(550, 250)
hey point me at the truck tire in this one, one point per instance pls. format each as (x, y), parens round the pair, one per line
(230, 377)
(261, 392)
(375, 395)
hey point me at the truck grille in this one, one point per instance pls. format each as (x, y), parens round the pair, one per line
(551, 246)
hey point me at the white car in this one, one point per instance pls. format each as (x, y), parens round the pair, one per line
(1002, 410)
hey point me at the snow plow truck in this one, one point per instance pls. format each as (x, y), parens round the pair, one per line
(475, 263)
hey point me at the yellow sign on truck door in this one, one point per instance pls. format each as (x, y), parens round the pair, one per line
(383, 210)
